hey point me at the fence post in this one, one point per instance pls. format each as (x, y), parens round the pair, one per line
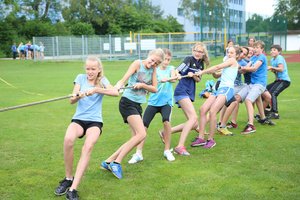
(53, 48)
(110, 46)
(82, 47)
(139, 45)
(71, 52)
(57, 47)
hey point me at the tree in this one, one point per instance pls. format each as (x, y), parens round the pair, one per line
(290, 9)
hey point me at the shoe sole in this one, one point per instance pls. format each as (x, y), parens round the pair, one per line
(210, 147)
(246, 133)
(198, 145)
(106, 169)
(135, 162)
(60, 194)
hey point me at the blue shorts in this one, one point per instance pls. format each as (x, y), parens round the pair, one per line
(227, 91)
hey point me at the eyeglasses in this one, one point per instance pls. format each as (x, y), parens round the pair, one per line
(202, 52)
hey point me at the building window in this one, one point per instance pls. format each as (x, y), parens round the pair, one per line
(180, 12)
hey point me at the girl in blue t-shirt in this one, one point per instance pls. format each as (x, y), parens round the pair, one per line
(160, 102)
(184, 93)
(87, 121)
(141, 77)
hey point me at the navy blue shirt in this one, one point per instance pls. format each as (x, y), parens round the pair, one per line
(187, 86)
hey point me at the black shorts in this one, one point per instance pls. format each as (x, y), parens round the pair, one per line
(87, 124)
(151, 111)
(128, 107)
(227, 104)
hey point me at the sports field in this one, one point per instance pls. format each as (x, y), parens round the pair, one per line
(264, 165)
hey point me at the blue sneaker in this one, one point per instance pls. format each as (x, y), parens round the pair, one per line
(116, 169)
(104, 166)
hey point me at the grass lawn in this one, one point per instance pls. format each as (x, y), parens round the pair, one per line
(264, 165)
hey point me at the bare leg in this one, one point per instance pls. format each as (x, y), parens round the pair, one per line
(92, 136)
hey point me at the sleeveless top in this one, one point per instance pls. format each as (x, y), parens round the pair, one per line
(143, 75)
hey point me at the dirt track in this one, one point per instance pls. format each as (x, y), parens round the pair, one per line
(292, 57)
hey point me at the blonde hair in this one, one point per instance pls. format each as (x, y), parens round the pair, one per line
(205, 55)
(167, 52)
(100, 66)
(158, 52)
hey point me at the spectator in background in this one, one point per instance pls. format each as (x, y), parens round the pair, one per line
(14, 50)
(41, 50)
(251, 41)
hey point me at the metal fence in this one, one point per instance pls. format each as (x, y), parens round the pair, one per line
(134, 46)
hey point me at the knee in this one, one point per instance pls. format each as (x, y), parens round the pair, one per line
(87, 148)
(68, 142)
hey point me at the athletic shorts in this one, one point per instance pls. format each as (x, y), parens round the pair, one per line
(151, 111)
(251, 92)
(87, 124)
(227, 91)
(128, 107)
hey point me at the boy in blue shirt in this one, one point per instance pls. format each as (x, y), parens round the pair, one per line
(257, 86)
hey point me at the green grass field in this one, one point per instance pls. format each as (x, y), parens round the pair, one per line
(264, 165)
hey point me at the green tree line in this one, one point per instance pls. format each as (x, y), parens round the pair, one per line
(20, 20)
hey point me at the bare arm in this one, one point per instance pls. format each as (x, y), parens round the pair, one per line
(213, 69)
(279, 68)
(131, 70)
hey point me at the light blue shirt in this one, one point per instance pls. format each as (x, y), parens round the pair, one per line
(143, 75)
(164, 95)
(89, 108)
(228, 76)
(284, 74)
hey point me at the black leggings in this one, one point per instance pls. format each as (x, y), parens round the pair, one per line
(275, 89)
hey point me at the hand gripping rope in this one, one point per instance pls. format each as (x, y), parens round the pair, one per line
(38, 102)
(170, 79)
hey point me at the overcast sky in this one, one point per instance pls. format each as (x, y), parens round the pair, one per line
(262, 7)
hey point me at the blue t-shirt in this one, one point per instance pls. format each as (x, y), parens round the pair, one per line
(89, 108)
(164, 94)
(187, 86)
(284, 74)
(143, 75)
(261, 74)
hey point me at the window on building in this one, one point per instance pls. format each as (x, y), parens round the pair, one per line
(180, 12)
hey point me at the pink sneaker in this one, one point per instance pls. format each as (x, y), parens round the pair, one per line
(181, 151)
(248, 129)
(210, 144)
(198, 142)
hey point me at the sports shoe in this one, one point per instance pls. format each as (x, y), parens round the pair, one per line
(273, 115)
(72, 195)
(210, 144)
(168, 155)
(161, 135)
(231, 125)
(116, 169)
(136, 158)
(248, 129)
(181, 151)
(266, 121)
(198, 142)
(257, 117)
(225, 131)
(104, 165)
(63, 187)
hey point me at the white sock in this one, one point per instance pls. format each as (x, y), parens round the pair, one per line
(69, 179)
(139, 152)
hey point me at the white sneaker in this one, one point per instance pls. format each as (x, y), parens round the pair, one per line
(135, 159)
(168, 155)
